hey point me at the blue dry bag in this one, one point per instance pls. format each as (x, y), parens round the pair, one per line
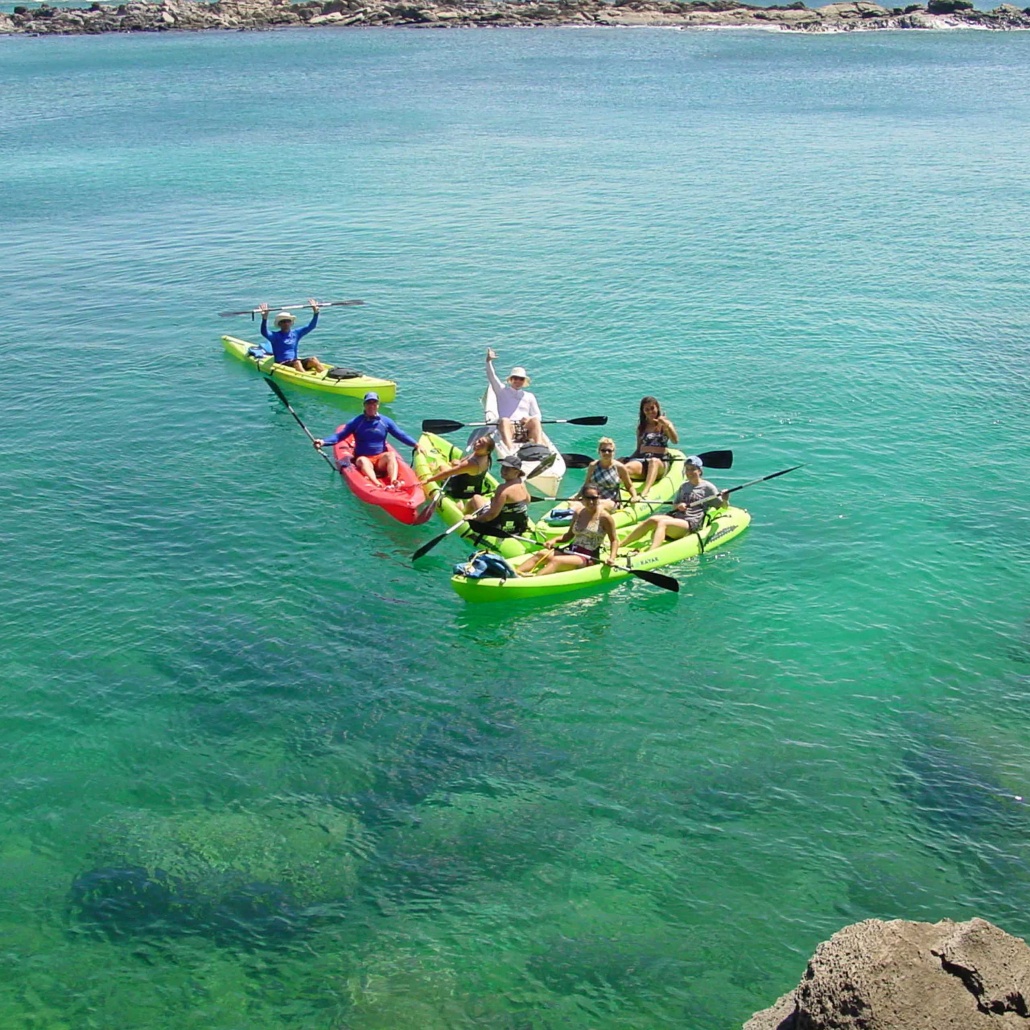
(483, 565)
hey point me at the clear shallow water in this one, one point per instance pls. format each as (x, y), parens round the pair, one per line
(379, 807)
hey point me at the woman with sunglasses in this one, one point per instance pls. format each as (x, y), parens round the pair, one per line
(591, 526)
(609, 476)
(655, 432)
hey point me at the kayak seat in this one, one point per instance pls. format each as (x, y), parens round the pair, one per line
(338, 372)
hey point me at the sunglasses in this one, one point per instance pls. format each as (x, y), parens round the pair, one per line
(606, 450)
(591, 497)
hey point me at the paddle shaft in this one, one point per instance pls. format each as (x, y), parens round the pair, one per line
(292, 307)
(289, 407)
(734, 489)
(448, 425)
(427, 547)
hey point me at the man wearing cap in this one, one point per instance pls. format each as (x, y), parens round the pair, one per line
(518, 414)
(688, 508)
(284, 338)
(508, 509)
(370, 430)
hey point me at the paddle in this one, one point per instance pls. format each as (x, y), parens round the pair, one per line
(447, 425)
(734, 489)
(657, 579)
(292, 307)
(427, 547)
(275, 388)
(711, 459)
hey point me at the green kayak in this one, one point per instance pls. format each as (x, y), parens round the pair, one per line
(722, 526)
(439, 453)
(339, 381)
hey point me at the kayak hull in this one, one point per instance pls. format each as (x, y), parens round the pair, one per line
(357, 386)
(405, 503)
(725, 524)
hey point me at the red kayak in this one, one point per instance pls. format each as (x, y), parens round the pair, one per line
(402, 501)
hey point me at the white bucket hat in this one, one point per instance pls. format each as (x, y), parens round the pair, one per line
(518, 370)
(283, 316)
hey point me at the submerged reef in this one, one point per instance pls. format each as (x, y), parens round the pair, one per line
(189, 15)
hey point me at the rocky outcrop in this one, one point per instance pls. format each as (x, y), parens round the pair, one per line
(166, 15)
(898, 975)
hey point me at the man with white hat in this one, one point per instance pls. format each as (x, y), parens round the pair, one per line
(518, 414)
(284, 338)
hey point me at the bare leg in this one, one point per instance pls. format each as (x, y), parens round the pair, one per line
(532, 430)
(673, 528)
(528, 567)
(564, 563)
(366, 468)
(655, 466)
(474, 503)
(297, 365)
(313, 365)
(504, 431)
(642, 529)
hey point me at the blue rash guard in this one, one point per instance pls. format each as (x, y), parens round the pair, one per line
(369, 435)
(284, 344)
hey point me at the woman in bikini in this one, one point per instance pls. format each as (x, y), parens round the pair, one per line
(609, 477)
(654, 434)
(590, 527)
(465, 477)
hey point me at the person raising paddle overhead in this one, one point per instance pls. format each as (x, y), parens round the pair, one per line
(518, 414)
(370, 430)
(284, 338)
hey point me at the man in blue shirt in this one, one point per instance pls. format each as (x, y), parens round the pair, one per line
(284, 338)
(370, 430)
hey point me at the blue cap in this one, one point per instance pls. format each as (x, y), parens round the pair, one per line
(694, 460)
(371, 396)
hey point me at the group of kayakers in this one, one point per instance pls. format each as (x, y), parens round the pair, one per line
(518, 422)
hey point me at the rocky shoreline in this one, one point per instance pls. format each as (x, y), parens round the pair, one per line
(192, 16)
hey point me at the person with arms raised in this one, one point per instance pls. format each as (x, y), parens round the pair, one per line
(518, 414)
(370, 430)
(285, 339)
(688, 511)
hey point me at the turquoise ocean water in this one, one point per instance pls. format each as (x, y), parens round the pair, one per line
(362, 803)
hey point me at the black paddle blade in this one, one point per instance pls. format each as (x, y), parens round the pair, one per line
(589, 420)
(717, 459)
(577, 461)
(441, 425)
(276, 389)
(426, 548)
(657, 579)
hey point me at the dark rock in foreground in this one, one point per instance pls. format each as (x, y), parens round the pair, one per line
(897, 975)
(190, 15)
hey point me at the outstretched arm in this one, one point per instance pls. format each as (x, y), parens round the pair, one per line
(340, 434)
(491, 375)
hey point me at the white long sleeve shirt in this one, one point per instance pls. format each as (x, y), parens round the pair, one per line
(511, 403)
